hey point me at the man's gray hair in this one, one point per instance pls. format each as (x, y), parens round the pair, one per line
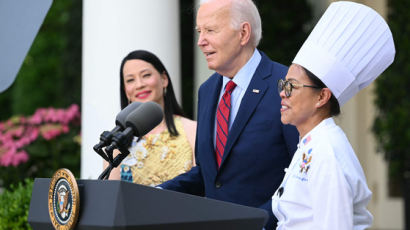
(245, 11)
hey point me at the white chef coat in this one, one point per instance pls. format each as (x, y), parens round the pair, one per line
(324, 186)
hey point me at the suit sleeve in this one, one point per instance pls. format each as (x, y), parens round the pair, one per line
(189, 182)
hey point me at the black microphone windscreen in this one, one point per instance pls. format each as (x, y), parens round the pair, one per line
(144, 118)
(122, 115)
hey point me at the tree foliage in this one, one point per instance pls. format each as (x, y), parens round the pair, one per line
(285, 26)
(51, 72)
(50, 76)
(392, 123)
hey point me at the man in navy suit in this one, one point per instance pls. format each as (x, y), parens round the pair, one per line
(258, 146)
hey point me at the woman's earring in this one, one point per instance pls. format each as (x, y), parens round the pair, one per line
(165, 91)
(129, 101)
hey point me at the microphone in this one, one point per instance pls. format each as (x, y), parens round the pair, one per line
(145, 118)
(120, 122)
(138, 123)
(122, 115)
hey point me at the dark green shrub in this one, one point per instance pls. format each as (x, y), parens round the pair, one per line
(14, 206)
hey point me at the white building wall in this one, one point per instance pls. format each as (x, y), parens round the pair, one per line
(111, 29)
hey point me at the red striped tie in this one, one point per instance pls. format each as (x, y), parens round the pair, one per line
(222, 121)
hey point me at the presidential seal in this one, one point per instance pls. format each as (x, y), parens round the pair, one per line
(63, 200)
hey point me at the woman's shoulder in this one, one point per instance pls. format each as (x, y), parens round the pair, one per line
(186, 121)
(335, 148)
(188, 124)
(189, 128)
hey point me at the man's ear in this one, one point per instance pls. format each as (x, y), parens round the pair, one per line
(246, 31)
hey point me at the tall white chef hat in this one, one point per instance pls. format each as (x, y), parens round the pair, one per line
(349, 47)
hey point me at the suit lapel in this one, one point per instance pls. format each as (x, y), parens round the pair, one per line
(248, 104)
(212, 92)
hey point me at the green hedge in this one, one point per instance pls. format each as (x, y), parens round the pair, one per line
(14, 206)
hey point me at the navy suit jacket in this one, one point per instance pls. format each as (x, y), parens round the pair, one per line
(258, 148)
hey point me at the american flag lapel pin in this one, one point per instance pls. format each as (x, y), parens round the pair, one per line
(255, 91)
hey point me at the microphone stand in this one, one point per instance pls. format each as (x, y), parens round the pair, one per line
(105, 138)
(113, 163)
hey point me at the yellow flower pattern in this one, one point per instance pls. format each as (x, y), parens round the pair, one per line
(159, 157)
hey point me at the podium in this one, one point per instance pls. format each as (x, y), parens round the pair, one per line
(124, 205)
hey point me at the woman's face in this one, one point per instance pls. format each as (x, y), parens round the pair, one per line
(300, 106)
(142, 82)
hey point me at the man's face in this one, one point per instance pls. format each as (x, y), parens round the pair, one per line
(220, 43)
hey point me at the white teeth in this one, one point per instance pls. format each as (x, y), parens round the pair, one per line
(284, 107)
(142, 95)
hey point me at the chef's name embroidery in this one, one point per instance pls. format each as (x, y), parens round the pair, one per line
(301, 178)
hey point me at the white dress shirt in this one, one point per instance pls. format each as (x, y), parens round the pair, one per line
(324, 186)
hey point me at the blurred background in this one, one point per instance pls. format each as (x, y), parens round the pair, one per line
(67, 92)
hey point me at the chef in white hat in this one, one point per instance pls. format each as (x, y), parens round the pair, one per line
(324, 186)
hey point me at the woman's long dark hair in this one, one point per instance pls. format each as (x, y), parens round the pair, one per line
(171, 105)
(333, 103)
